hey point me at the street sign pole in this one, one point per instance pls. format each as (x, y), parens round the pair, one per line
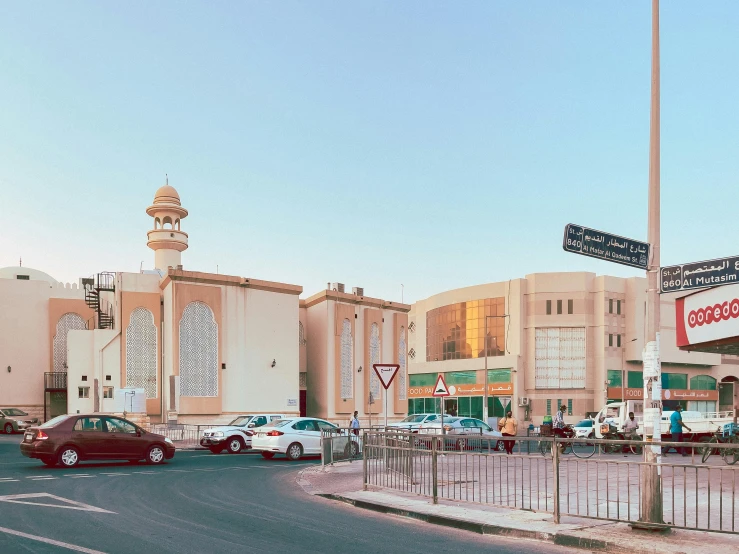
(386, 373)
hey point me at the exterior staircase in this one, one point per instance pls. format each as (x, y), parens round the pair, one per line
(104, 317)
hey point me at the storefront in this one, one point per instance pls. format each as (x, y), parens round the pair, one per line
(697, 393)
(467, 394)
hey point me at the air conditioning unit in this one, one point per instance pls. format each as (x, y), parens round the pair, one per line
(523, 401)
(337, 287)
(358, 291)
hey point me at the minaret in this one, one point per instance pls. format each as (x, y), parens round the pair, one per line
(166, 239)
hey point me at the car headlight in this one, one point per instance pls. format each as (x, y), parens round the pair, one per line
(167, 439)
(218, 434)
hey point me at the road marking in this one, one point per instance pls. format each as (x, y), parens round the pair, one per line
(114, 474)
(44, 478)
(179, 470)
(50, 541)
(8, 480)
(73, 504)
(81, 476)
(37, 476)
(145, 472)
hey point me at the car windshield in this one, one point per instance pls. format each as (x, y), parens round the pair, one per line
(13, 412)
(585, 423)
(449, 420)
(54, 421)
(418, 418)
(241, 420)
(277, 423)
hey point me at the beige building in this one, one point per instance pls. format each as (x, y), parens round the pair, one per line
(552, 339)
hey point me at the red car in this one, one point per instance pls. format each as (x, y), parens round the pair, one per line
(68, 439)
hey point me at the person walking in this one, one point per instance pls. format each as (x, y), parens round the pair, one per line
(355, 423)
(676, 429)
(509, 428)
(631, 428)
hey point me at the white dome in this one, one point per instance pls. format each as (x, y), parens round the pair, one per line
(33, 274)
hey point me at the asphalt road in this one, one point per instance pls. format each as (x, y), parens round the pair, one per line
(201, 503)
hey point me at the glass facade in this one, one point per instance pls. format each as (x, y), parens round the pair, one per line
(460, 378)
(614, 377)
(423, 379)
(702, 382)
(457, 331)
(499, 376)
(635, 380)
(674, 381)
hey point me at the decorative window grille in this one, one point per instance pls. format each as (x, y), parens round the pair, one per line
(303, 379)
(198, 351)
(301, 334)
(560, 358)
(412, 353)
(401, 383)
(68, 322)
(141, 352)
(347, 375)
(374, 352)
(412, 327)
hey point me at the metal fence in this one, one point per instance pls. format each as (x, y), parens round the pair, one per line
(182, 435)
(587, 482)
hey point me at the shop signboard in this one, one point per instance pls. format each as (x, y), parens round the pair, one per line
(667, 394)
(494, 389)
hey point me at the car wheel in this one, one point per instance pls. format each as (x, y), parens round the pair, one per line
(461, 444)
(216, 450)
(294, 451)
(48, 462)
(8, 428)
(351, 450)
(500, 446)
(268, 455)
(69, 456)
(235, 445)
(155, 455)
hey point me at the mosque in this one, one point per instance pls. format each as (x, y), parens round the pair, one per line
(175, 345)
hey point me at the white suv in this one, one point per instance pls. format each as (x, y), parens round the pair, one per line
(237, 435)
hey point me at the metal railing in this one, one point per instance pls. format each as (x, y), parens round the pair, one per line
(182, 435)
(55, 380)
(342, 444)
(604, 486)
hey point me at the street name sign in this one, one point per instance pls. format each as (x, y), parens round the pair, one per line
(386, 373)
(441, 389)
(699, 275)
(605, 246)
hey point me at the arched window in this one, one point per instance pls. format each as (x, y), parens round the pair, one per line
(347, 375)
(68, 322)
(141, 352)
(167, 221)
(374, 352)
(177, 223)
(301, 334)
(157, 223)
(198, 351)
(402, 371)
(702, 382)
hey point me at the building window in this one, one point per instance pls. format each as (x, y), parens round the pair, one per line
(560, 358)
(68, 322)
(412, 353)
(499, 375)
(84, 377)
(635, 380)
(496, 408)
(569, 406)
(374, 356)
(618, 307)
(198, 351)
(108, 378)
(401, 386)
(610, 340)
(457, 331)
(83, 392)
(141, 352)
(22, 277)
(618, 340)
(559, 307)
(570, 307)
(702, 382)
(614, 377)
(347, 375)
(301, 334)
(107, 392)
(549, 406)
(461, 377)
(423, 379)
(549, 307)
(610, 306)
(674, 381)
(303, 379)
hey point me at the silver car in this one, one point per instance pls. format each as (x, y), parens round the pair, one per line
(13, 420)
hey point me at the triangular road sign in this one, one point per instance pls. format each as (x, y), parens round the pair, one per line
(386, 373)
(441, 389)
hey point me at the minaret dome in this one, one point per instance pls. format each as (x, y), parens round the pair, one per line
(167, 240)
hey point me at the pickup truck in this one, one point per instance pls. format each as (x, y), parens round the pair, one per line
(236, 436)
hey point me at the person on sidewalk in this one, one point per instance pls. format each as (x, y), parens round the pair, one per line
(630, 431)
(509, 428)
(676, 429)
(355, 423)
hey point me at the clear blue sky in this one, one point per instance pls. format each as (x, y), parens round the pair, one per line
(434, 144)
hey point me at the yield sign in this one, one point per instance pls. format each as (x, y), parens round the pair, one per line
(386, 373)
(441, 389)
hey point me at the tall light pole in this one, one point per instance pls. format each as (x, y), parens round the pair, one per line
(651, 492)
(487, 394)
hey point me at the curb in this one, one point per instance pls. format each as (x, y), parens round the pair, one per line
(559, 538)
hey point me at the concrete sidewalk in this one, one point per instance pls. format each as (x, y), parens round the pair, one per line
(343, 482)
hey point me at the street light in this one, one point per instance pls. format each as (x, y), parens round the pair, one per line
(486, 398)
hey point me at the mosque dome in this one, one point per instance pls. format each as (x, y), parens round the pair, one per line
(26, 273)
(166, 195)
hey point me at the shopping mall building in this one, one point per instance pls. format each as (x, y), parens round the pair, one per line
(552, 339)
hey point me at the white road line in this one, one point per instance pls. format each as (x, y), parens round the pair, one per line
(114, 474)
(179, 470)
(37, 476)
(50, 541)
(81, 476)
(45, 479)
(6, 480)
(145, 472)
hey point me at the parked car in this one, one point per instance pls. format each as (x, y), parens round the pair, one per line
(69, 439)
(413, 422)
(293, 437)
(237, 435)
(584, 429)
(13, 420)
(480, 434)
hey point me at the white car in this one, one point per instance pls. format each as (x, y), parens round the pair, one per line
(413, 422)
(237, 435)
(294, 437)
(584, 429)
(481, 435)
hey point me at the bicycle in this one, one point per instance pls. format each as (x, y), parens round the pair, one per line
(729, 455)
(579, 449)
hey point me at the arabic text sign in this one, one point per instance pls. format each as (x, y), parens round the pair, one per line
(697, 275)
(386, 373)
(667, 394)
(605, 246)
(496, 389)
